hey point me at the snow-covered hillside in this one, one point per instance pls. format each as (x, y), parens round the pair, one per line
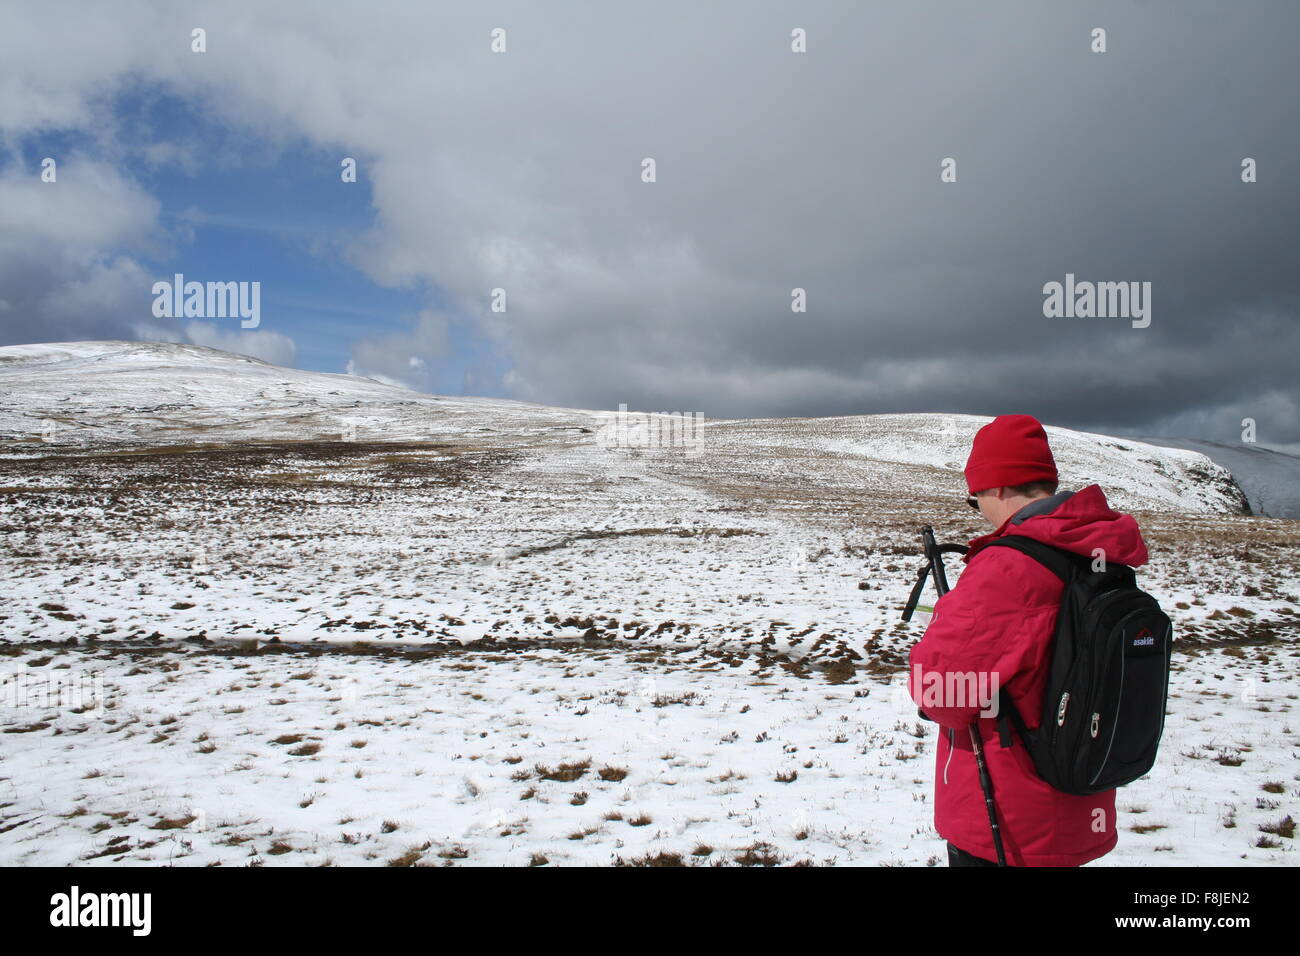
(1270, 479)
(99, 394)
(87, 395)
(311, 618)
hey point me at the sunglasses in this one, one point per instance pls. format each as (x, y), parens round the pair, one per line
(973, 502)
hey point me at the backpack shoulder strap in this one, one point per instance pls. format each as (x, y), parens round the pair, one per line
(1064, 564)
(1009, 714)
(1060, 562)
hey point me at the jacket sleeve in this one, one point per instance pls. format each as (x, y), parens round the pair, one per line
(995, 624)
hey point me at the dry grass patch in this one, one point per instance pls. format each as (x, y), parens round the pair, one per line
(410, 857)
(1283, 828)
(655, 859)
(1146, 827)
(173, 823)
(667, 700)
(759, 854)
(565, 772)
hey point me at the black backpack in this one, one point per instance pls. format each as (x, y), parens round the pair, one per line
(1104, 703)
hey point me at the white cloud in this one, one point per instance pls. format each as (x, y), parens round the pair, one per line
(66, 266)
(408, 358)
(268, 346)
(90, 206)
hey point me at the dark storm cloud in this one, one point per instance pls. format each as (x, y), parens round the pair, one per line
(923, 296)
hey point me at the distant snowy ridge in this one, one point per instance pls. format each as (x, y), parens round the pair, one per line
(157, 393)
(1134, 474)
(89, 395)
(1270, 479)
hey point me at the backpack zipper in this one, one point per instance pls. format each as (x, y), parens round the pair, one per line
(1115, 727)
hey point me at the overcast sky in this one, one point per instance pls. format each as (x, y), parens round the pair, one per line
(776, 170)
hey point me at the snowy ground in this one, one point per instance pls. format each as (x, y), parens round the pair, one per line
(465, 600)
(575, 755)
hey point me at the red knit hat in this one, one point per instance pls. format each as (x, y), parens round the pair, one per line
(1010, 450)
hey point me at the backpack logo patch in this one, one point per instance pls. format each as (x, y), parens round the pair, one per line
(1144, 638)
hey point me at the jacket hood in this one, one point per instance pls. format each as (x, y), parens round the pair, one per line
(1081, 523)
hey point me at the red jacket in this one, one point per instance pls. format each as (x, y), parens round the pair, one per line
(997, 622)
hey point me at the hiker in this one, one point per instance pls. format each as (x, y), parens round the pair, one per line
(994, 631)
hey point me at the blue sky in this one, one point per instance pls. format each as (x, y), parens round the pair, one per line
(238, 209)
